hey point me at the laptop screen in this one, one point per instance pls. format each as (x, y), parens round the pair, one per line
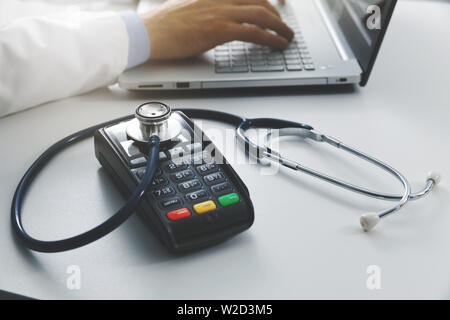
(363, 23)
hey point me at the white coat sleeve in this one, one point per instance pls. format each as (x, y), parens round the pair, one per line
(52, 57)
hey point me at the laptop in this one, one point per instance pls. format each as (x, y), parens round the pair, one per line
(336, 42)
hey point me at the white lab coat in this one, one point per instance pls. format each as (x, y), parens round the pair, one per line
(60, 55)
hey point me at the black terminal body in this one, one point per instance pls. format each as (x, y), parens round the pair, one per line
(196, 199)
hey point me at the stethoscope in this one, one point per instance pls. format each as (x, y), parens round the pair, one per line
(284, 128)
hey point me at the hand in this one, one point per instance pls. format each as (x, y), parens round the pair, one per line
(184, 28)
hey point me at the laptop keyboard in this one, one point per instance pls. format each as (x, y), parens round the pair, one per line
(242, 57)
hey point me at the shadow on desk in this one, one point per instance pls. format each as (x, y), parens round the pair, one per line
(4, 295)
(243, 92)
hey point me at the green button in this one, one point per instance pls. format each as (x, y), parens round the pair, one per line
(229, 199)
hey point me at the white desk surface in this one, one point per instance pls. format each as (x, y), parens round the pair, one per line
(306, 241)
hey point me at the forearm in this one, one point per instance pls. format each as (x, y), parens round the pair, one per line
(48, 58)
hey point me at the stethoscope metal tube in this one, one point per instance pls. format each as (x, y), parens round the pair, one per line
(369, 220)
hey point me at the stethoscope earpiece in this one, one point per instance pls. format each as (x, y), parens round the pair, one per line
(434, 176)
(369, 220)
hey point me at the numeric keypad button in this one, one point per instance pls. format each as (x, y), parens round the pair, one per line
(206, 168)
(214, 178)
(159, 193)
(182, 175)
(197, 195)
(158, 181)
(172, 202)
(175, 166)
(189, 185)
(221, 187)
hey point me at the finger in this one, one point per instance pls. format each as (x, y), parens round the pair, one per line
(253, 33)
(282, 1)
(261, 17)
(266, 4)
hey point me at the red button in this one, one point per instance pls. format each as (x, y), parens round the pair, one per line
(178, 214)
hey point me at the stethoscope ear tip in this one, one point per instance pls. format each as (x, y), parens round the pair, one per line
(434, 176)
(369, 220)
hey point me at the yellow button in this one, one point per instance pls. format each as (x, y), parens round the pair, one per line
(205, 207)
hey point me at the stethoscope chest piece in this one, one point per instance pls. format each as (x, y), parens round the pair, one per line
(153, 118)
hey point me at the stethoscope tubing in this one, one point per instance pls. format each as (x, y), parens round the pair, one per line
(241, 125)
(99, 231)
(401, 199)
